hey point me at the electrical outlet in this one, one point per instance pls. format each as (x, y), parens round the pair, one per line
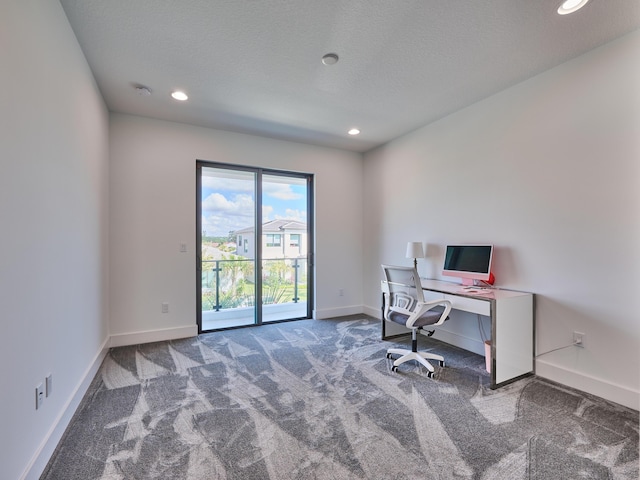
(39, 396)
(578, 339)
(183, 248)
(165, 308)
(48, 384)
(340, 292)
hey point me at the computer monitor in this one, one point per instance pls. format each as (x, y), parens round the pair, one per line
(469, 262)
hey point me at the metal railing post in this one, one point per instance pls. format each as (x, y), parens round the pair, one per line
(217, 270)
(295, 281)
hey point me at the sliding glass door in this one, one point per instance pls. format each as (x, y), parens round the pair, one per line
(255, 246)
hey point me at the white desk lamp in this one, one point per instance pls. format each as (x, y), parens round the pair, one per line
(415, 251)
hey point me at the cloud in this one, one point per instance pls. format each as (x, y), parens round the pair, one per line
(226, 210)
(280, 191)
(221, 215)
(241, 205)
(221, 225)
(229, 184)
(266, 213)
(291, 214)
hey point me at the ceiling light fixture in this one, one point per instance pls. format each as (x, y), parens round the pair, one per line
(142, 90)
(330, 59)
(570, 6)
(353, 131)
(178, 95)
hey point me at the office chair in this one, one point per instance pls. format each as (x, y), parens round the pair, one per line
(404, 304)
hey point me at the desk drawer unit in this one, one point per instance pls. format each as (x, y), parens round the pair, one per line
(472, 305)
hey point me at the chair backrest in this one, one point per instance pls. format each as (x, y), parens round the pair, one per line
(404, 301)
(403, 280)
(401, 288)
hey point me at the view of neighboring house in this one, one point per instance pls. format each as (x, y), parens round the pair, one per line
(280, 239)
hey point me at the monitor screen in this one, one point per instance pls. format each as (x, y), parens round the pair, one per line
(469, 262)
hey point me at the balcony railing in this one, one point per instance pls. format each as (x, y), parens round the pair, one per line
(230, 283)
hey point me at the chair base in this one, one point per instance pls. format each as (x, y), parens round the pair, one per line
(420, 357)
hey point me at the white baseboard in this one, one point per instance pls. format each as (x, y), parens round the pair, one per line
(586, 383)
(338, 312)
(42, 456)
(372, 312)
(135, 338)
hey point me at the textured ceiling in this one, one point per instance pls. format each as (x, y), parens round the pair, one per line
(255, 66)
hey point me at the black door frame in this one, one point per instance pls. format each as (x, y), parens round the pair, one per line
(258, 229)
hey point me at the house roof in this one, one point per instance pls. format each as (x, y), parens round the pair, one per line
(276, 226)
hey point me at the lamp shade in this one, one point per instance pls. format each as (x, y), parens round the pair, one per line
(414, 250)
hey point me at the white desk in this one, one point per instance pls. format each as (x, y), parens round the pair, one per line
(512, 330)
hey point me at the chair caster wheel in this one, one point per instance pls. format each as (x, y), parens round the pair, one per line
(430, 374)
(388, 355)
(394, 369)
(442, 363)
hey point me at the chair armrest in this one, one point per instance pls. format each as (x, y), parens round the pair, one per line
(433, 303)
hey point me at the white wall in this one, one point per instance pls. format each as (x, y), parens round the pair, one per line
(53, 211)
(152, 211)
(547, 171)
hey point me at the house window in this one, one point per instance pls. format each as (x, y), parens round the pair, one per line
(274, 239)
(246, 245)
(294, 240)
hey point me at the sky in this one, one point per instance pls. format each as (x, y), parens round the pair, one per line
(228, 200)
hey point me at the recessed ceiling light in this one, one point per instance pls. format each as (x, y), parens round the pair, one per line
(570, 6)
(353, 131)
(330, 59)
(178, 95)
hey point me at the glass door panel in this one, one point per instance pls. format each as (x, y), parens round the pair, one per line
(227, 248)
(285, 233)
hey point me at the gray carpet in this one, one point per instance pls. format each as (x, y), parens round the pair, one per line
(317, 400)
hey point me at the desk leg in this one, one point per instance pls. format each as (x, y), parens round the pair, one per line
(384, 335)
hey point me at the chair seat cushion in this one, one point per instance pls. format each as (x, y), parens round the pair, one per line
(428, 318)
